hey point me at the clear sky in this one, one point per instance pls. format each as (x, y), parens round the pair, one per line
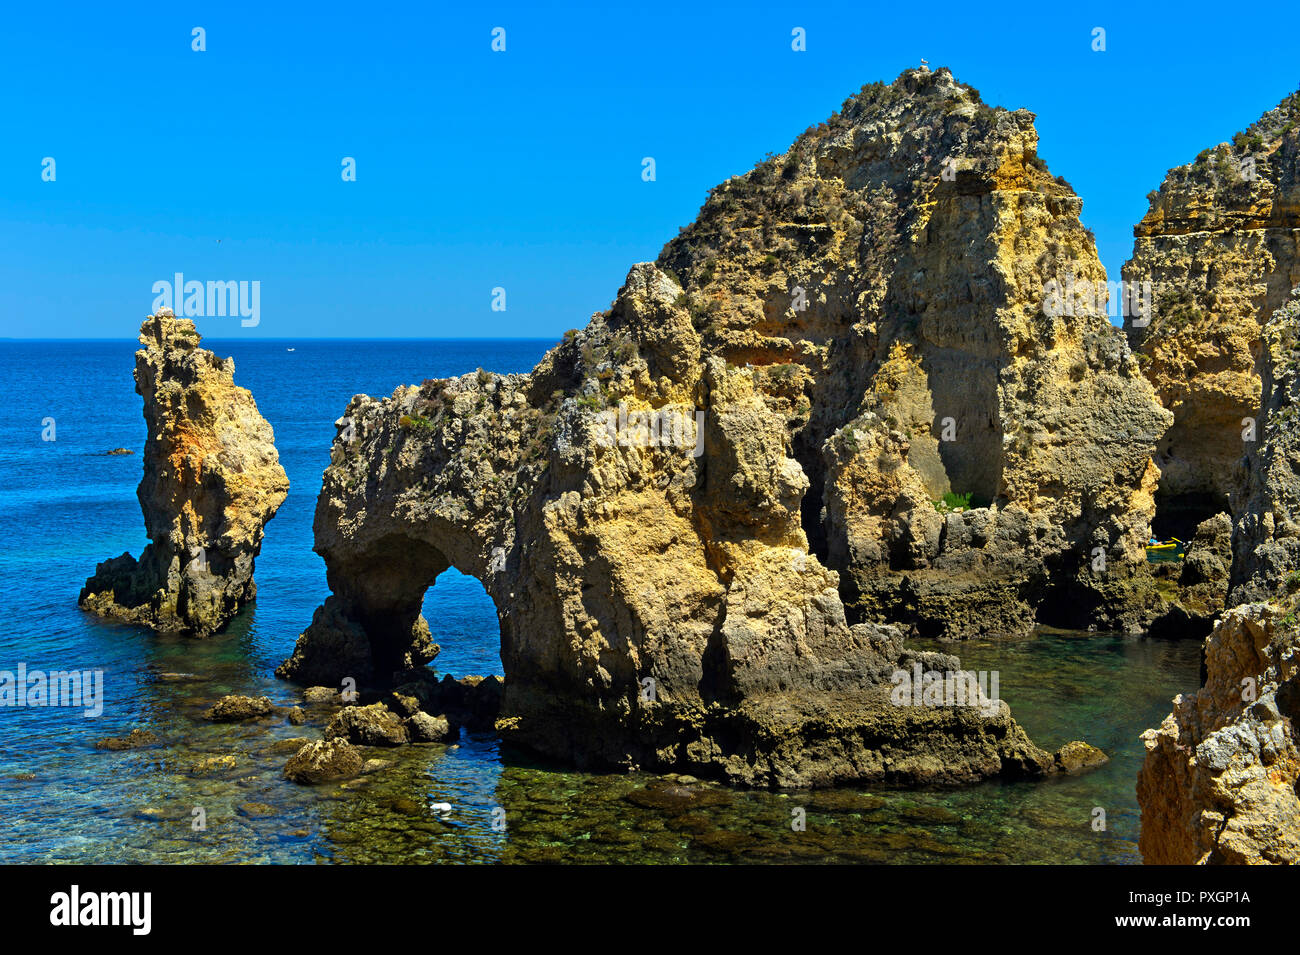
(522, 169)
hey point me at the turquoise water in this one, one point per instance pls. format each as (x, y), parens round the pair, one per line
(64, 506)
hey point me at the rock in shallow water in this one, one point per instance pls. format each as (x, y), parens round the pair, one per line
(639, 505)
(323, 760)
(213, 764)
(424, 728)
(1078, 757)
(237, 709)
(133, 740)
(373, 725)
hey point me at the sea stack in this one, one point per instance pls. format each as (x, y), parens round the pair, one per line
(1219, 782)
(659, 508)
(212, 479)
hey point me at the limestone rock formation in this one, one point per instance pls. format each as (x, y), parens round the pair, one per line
(917, 297)
(1220, 248)
(323, 760)
(640, 505)
(1221, 779)
(373, 725)
(239, 709)
(1266, 542)
(212, 479)
(1199, 583)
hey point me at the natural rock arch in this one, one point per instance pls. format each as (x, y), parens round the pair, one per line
(372, 624)
(619, 564)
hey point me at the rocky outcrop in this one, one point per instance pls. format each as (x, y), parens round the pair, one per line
(1221, 778)
(919, 301)
(373, 725)
(1198, 590)
(212, 479)
(645, 508)
(1218, 784)
(1220, 248)
(1266, 539)
(322, 761)
(239, 709)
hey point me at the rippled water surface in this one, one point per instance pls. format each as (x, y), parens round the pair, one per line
(64, 506)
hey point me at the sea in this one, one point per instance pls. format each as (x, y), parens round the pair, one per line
(209, 793)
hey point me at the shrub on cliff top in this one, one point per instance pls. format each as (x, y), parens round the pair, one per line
(415, 423)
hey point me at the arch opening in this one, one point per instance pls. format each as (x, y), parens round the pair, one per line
(464, 622)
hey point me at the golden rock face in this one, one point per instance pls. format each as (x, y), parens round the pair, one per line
(1219, 782)
(860, 325)
(1220, 245)
(889, 281)
(212, 479)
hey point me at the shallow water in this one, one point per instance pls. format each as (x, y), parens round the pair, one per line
(64, 506)
(137, 806)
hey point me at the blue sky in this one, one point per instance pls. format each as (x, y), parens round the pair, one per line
(520, 169)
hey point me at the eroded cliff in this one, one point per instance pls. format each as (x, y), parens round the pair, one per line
(1221, 778)
(916, 294)
(1220, 247)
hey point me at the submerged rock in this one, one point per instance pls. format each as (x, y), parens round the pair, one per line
(212, 764)
(1221, 779)
(237, 709)
(281, 746)
(1079, 757)
(133, 740)
(212, 479)
(322, 761)
(645, 507)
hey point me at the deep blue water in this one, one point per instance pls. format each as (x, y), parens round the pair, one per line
(65, 505)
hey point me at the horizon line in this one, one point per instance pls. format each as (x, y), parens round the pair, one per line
(384, 338)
